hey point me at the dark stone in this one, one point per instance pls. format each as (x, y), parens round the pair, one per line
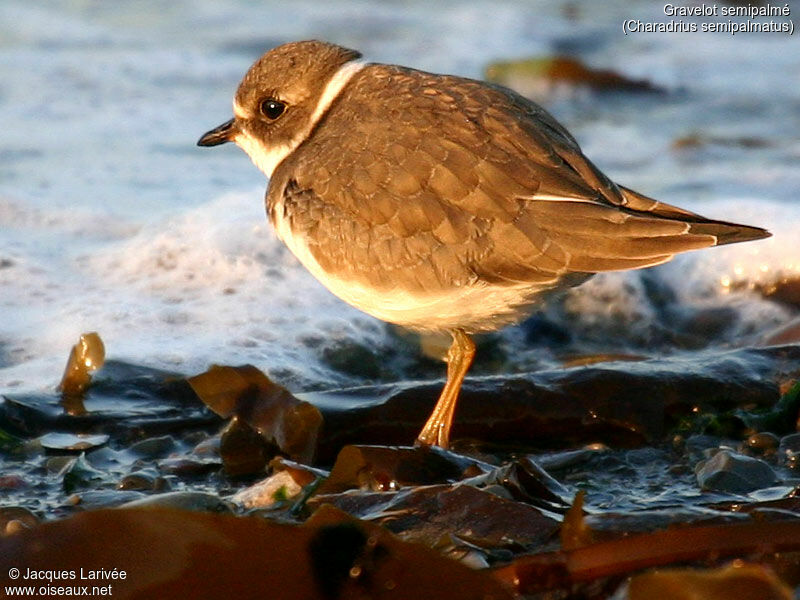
(243, 450)
(626, 404)
(730, 472)
(154, 447)
(789, 451)
(124, 401)
(761, 444)
(16, 513)
(72, 442)
(146, 480)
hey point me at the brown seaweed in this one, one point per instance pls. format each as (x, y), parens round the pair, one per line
(222, 556)
(564, 568)
(290, 424)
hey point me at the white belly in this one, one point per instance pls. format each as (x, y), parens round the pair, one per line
(478, 307)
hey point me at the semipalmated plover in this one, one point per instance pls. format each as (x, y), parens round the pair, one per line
(437, 202)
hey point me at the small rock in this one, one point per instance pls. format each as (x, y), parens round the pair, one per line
(274, 489)
(193, 438)
(761, 444)
(187, 467)
(78, 473)
(15, 526)
(154, 447)
(9, 514)
(73, 442)
(208, 446)
(773, 494)
(145, 480)
(108, 459)
(128, 400)
(242, 449)
(92, 499)
(728, 471)
(790, 443)
(789, 451)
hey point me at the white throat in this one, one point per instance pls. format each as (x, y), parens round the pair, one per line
(267, 159)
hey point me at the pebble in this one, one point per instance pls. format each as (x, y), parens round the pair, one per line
(92, 499)
(274, 489)
(761, 444)
(208, 446)
(15, 526)
(144, 480)
(18, 514)
(154, 447)
(728, 471)
(187, 467)
(55, 464)
(73, 442)
(789, 451)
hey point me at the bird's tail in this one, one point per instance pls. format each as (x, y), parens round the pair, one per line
(723, 231)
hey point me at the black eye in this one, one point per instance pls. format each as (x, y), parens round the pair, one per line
(272, 109)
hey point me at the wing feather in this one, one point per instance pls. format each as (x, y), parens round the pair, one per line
(474, 186)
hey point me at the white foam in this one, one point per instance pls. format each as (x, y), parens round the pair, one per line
(616, 305)
(750, 265)
(210, 285)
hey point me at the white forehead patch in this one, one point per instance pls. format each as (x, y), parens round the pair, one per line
(268, 158)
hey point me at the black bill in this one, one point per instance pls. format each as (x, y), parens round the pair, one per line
(218, 135)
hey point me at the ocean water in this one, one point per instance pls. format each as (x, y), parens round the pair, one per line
(112, 220)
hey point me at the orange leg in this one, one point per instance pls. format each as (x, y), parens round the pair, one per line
(459, 358)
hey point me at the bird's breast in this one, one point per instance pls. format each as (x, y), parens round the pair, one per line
(474, 307)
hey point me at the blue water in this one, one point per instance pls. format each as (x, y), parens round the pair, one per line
(111, 220)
